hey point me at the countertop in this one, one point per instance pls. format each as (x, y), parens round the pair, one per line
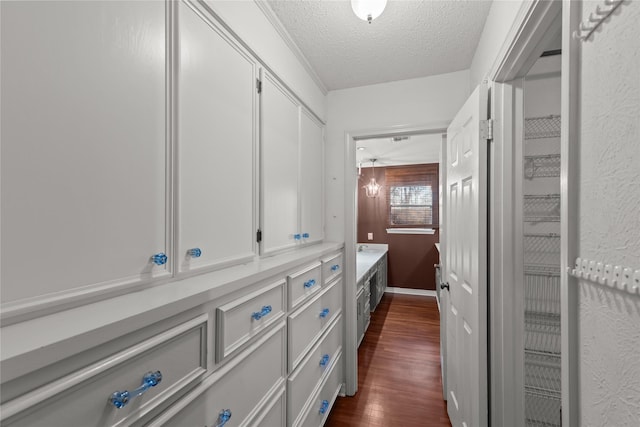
(35, 343)
(368, 257)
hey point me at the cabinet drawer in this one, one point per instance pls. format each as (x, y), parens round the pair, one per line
(332, 267)
(243, 319)
(303, 284)
(241, 387)
(307, 324)
(320, 405)
(85, 398)
(312, 369)
(273, 415)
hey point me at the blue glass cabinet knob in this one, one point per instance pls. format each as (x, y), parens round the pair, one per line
(194, 253)
(223, 417)
(257, 315)
(159, 258)
(119, 399)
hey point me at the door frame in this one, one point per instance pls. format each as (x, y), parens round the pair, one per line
(351, 210)
(523, 45)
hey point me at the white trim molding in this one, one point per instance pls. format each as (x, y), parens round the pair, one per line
(350, 202)
(288, 40)
(411, 231)
(410, 291)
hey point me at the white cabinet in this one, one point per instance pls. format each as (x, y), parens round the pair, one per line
(235, 392)
(120, 388)
(84, 168)
(217, 128)
(279, 166)
(292, 152)
(311, 178)
(166, 366)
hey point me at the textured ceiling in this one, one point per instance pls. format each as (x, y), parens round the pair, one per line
(411, 38)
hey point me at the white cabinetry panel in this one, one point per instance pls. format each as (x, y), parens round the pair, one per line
(279, 162)
(242, 319)
(217, 130)
(275, 412)
(121, 388)
(312, 369)
(242, 387)
(311, 178)
(308, 323)
(303, 283)
(84, 184)
(320, 405)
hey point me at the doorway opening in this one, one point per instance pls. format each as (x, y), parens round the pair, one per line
(353, 181)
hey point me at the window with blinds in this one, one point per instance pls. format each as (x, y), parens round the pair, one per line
(412, 192)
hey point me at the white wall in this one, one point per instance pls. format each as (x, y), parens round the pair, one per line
(248, 21)
(502, 16)
(407, 102)
(609, 331)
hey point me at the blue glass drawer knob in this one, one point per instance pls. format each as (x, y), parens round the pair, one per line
(194, 253)
(305, 235)
(223, 417)
(309, 283)
(324, 406)
(324, 313)
(159, 258)
(297, 236)
(119, 399)
(257, 315)
(325, 359)
(335, 267)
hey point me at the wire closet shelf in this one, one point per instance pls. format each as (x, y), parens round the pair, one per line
(542, 166)
(542, 208)
(542, 127)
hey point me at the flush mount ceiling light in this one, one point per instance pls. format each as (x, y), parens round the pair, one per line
(368, 10)
(372, 189)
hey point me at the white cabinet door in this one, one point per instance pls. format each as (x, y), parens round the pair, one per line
(217, 129)
(466, 265)
(279, 114)
(311, 178)
(84, 187)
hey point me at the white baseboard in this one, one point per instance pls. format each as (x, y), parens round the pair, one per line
(408, 291)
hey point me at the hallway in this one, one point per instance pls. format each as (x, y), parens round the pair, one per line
(399, 381)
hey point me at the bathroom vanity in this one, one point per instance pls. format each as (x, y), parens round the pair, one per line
(371, 281)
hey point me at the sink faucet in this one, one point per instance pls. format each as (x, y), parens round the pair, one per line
(361, 247)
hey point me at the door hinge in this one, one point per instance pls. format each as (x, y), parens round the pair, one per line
(259, 85)
(486, 129)
(259, 236)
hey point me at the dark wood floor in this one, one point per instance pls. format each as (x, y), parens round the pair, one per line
(399, 381)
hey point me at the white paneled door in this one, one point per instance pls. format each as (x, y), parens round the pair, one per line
(84, 166)
(280, 127)
(311, 178)
(217, 127)
(466, 265)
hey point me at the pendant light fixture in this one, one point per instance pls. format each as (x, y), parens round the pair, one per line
(372, 189)
(368, 10)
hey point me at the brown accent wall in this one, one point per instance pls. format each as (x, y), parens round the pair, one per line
(411, 257)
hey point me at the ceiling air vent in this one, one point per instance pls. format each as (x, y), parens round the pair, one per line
(399, 138)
